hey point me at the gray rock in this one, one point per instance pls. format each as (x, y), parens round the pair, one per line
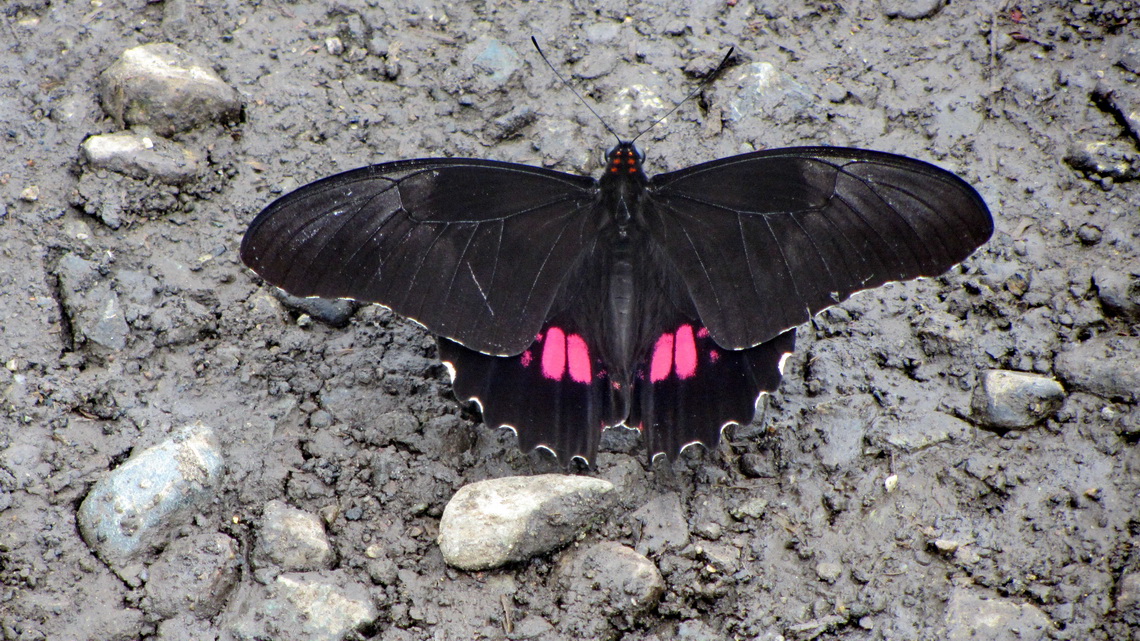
(135, 506)
(1089, 234)
(942, 333)
(291, 539)
(511, 123)
(913, 433)
(91, 305)
(759, 88)
(841, 425)
(1107, 366)
(193, 574)
(1123, 98)
(1119, 291)
(970, 617)
(140, 156)
(697, 630)
(607, 580)
(498, 521)
(911, 9)
(613, 576)
(1128, 598)
(496, 60)
(161, 86)
(100, 620)
(1015, 400)
(311, 606)
(334, 312)
(532, 627)
(105, 324)
(1130, 55)
(828, 571)
(185, 626)
(597, 63)
(660, 525)
(1104, 159)
(751, 508)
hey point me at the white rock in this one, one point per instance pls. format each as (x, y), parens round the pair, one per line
(490, 523)
(291, 539)
(142, 156)
(970, 617)
(308, 606)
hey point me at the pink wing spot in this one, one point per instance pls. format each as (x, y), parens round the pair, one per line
(714, 355)
(554, 354)
(662, 362)
(703, 332)
(527, 357)
(685, 352)
(579, 357)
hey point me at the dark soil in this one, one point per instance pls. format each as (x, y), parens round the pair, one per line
(790, 528)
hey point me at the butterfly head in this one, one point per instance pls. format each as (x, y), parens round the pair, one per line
(624, 159)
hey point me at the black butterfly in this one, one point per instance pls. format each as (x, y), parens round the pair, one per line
(567, 304)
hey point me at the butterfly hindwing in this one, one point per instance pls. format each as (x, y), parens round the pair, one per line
(765, 240)
(473, 250)
(688, 388)
(555, 394)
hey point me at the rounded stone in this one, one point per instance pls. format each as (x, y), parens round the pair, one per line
(498, 521)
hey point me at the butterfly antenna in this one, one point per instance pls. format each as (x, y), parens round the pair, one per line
(709, 78)
(569, 86)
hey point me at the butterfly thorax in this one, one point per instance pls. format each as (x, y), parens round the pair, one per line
(623, 183)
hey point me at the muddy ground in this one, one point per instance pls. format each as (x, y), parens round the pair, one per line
(1044, 518)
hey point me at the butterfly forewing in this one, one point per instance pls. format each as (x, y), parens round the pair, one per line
(763, 241)
(473, 250)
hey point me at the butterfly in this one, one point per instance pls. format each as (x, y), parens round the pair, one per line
(568, 304)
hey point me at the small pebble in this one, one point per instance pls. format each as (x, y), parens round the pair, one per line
(828, 572)
(947, 546)
(1089, 234)
(291, 539)
(1015, 400)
